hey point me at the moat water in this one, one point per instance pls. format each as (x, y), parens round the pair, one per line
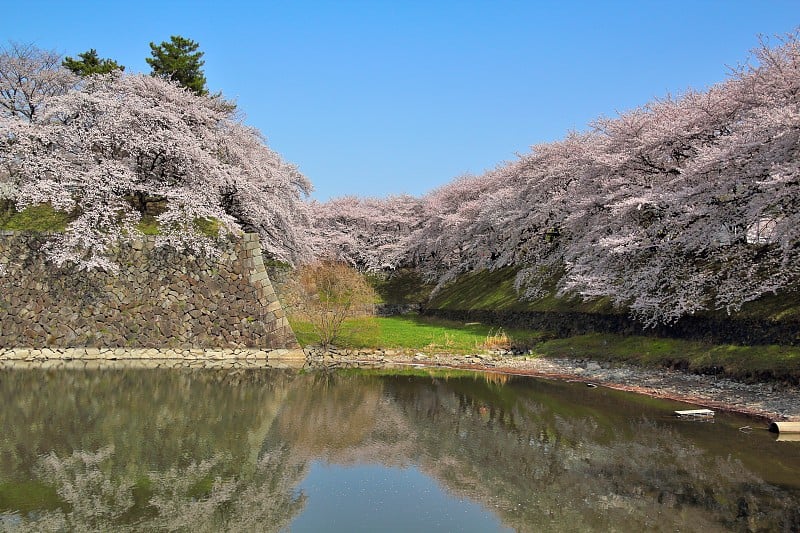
(375, 450)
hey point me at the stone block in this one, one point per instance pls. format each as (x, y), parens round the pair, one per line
(269, 295)
(258, 276)
(272, 307)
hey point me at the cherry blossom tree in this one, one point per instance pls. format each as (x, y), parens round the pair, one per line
(100, 150)
(29, 78)
(369, 234)
(697, 175)
(686, 204)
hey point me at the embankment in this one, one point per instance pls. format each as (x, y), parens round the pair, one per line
(160, 298)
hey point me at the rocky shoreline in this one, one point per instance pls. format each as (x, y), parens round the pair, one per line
(772, 401)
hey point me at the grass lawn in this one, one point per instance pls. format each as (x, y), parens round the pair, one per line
(417, 333)
(427, 334)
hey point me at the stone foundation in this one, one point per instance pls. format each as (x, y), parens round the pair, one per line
(149, 358)
(160, 298)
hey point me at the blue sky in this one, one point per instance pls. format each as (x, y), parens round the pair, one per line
(384, 97)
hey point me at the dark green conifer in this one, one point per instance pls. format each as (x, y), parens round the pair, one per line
(89, 63)
(179, 60)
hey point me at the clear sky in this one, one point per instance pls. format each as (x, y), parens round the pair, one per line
(379, 97)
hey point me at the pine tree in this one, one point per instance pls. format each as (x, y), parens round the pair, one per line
(89, 63)
(179, 60)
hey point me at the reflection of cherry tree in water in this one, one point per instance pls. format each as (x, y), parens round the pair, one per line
(542, 455)
(197, 497)
(174, 465)
(540, 462)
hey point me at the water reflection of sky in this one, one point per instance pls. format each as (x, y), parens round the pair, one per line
(379, 498)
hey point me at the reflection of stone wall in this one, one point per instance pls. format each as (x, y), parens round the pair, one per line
(160, 298)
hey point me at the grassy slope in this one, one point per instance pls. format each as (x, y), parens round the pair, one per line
(43, 218)
(495, 291)
(404, 286)
(777, 307)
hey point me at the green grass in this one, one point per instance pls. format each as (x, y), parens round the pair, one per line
(778, 307)
(425, 334)
(494, 290)
(480, 290)
(38, 218)
(741, 362)
(148, 225)
(209, 227)
(43, 218)
(28, 496)
(404, 286)
(412, 333)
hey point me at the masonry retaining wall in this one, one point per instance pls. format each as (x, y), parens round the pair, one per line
(160, 298)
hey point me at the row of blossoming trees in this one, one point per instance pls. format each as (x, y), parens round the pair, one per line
(682, 205)
(104, 147)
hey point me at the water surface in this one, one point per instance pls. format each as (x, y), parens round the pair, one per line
(280, 450)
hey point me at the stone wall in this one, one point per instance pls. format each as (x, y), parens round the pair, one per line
(279, 275)
(91, 358)
(397, 309)
(160, 298)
